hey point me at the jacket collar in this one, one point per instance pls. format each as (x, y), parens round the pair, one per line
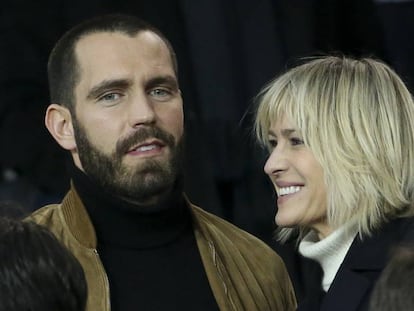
(77, 219)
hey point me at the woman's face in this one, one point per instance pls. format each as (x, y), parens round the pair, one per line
(298, 179)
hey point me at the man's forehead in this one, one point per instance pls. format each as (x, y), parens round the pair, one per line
(103, 48)
(116, 55)
(100, 38)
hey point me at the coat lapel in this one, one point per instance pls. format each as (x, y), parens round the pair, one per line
(347, 292)
(359, 271)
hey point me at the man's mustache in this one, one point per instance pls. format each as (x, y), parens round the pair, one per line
(141, 135)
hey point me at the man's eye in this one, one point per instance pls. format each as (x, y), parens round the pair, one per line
(160, 92)
(110, 97)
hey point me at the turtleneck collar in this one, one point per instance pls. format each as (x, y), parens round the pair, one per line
(122, 224)
(330, 251)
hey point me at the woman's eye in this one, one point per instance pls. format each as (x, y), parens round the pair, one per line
(296, 141)
(272, 143)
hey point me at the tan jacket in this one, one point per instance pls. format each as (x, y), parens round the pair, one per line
(243, 272)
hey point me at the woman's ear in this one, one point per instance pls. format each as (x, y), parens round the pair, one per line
(58, 121)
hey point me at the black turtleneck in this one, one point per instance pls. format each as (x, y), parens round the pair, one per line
(149, 252)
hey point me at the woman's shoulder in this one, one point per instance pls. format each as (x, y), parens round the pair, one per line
(405, 228)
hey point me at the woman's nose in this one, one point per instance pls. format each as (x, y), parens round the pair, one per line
(276, 162)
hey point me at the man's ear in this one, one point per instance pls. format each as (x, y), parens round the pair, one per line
(58, 121)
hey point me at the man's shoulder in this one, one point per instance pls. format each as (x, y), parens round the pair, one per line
(228, 233)
(45, 214)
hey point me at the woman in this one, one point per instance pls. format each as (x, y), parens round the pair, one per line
(341, 137)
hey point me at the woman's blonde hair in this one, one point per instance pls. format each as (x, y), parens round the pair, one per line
(357, 117)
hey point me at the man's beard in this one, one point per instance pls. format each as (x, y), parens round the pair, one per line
(147, 182)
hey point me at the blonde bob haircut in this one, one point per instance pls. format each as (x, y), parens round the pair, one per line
(357, 117)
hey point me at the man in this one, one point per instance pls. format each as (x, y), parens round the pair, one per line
(117, 107)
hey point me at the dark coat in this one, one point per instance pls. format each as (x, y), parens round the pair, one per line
(356, 277)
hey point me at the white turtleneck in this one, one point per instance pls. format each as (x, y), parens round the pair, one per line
(328, 252)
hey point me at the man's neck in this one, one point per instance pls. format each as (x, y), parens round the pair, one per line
(127, 224)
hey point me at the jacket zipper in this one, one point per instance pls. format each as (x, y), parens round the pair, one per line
(220, 274)
(105, 277)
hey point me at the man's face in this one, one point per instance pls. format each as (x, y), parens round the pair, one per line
(128, 118)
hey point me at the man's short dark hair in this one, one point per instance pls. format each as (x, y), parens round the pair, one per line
(37, 272)
(63, 68)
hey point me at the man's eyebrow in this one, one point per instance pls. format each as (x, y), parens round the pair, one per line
(106, 85)
(162, 80)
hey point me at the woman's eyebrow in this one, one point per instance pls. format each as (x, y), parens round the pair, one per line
(285, 132)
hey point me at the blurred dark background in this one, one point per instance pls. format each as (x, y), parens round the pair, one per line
(227, 50)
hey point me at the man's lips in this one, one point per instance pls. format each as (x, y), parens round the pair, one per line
(149, 137)
(153, 146)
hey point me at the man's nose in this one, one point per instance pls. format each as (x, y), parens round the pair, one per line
(141, 111)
